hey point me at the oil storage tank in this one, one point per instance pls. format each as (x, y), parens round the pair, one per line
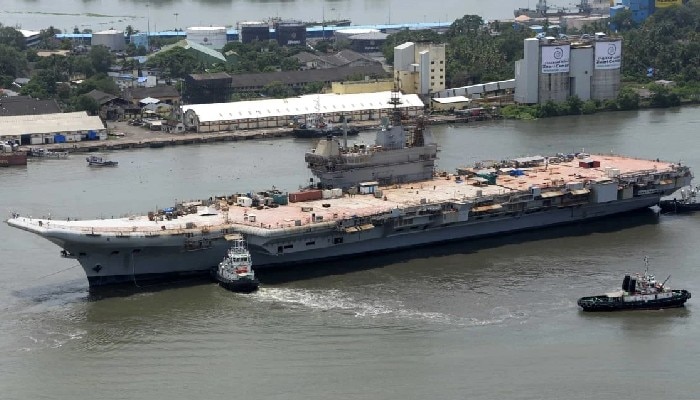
(112, 39)
(210, 36)
(291, 33)
(253, 30)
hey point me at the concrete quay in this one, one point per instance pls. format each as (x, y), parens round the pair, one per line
(134, 137)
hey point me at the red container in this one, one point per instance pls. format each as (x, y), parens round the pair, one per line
(306, 195)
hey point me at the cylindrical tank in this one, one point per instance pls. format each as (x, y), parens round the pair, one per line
(253, 30)
(111, 39)
(291, 33)
(607, 69)
(210, 36)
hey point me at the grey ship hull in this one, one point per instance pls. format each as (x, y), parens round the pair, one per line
(145, 260)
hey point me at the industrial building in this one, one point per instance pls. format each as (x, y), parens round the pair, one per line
(290, 33)
(480, 90)
(343, 58)
(213, 37)
(51, 128)
(25, 105)
(207, 88)
(420, 67)
(371, 42)
(558, 69)
(642, 9)
(111, 39)
(253, 31)
(275, 113)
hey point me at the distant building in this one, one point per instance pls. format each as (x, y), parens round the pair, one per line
(111, 39)
(371, 42)
(51, 128)
(213, 37)
(207, 88)
(166, 94)
(25, 105)
(31, 38)
(204, 54)
(343, 58)
(366, 86)
(420, 67)
(256, 82)
(111, 107)
(558, 69)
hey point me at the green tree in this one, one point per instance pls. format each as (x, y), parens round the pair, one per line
(175, 63)
(12, 61)
(86, 103)
(101, 58)
(574, 105)
(623, 21)
(12, 37)
(589, 107)
(277, 89)
(627, 99)
(468, 24)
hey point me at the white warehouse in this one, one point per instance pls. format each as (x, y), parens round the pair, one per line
(275, 113)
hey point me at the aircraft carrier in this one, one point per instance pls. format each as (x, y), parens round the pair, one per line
(382, 197)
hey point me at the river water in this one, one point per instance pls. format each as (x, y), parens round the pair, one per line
(168, 14)
(486, 319)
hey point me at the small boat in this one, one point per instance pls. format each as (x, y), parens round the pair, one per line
(95, 161)
(686, 204)
(235, 271)
(641, 292)
(44, 153)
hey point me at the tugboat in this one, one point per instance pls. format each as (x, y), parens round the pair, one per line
(95, 161)
(641, 292)
(235, 271)
(686, 204)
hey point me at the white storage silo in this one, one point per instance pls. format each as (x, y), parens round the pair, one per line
(112, 39)
(210, 36)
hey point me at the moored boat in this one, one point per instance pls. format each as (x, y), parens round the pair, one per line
(641, 292)
(41, 152)
(96, 161)
(11, 155)
(235, 271)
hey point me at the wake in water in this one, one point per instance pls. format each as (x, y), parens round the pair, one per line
(334, 300)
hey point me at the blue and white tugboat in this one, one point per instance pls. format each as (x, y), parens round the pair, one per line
(235, 271)
(641, 292)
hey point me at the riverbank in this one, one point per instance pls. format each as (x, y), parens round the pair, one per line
(135, 137)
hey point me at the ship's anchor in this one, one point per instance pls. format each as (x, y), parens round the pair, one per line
(97, 268)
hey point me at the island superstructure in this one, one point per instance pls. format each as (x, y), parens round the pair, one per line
(348, 215)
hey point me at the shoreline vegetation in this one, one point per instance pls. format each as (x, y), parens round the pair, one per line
(660, 67)
(633, 96)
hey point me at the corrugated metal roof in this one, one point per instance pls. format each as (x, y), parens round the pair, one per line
(49, 123)
(327, 103)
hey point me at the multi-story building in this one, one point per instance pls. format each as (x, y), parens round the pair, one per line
(419, 68)
(589, 68)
